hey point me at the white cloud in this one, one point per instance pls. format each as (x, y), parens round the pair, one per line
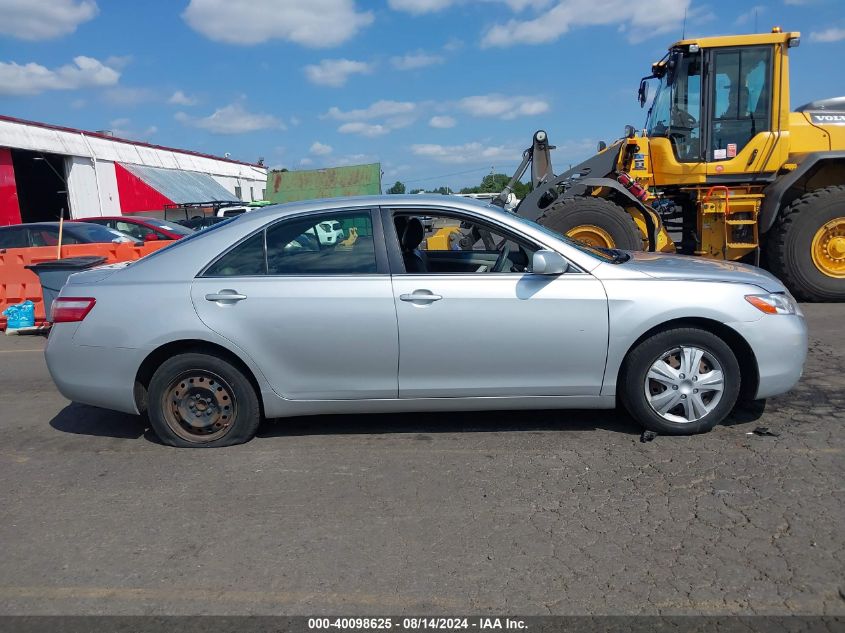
(832, 34)
(180, 98)
(379, 109)
(32, 79)
(503, 106)
(232, 119)
(369, 130)
(751, 15)
(44, 19)
(306, 161)
(419, 7)
(412, 61)
(320, 149)
(335, 72)
(442, 122)
(639, 19)
(122, 128)
(466, 153)
(316, 23)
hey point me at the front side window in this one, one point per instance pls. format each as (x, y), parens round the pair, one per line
(326, 244)
(137, 231)
(676, 110)
(741, 99)
(437, 243)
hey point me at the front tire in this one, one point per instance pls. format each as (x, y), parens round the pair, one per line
(594, 221)
(806, 247)
(201, 400)
(680, 381)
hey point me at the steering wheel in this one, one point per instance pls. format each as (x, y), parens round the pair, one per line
(504, 250)
(683, 119)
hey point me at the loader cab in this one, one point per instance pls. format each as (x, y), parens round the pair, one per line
(718, 109)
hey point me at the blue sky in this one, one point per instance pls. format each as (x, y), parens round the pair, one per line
(438, 91)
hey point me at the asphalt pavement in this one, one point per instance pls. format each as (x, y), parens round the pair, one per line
(523, 513)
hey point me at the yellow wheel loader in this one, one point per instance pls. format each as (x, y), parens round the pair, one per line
(723, 169)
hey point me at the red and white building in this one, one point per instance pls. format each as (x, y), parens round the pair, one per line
(47, 171)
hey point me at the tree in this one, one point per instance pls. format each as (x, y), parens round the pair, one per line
(399, 187)
(494, 183)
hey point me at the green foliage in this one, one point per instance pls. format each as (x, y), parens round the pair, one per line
(398, 187)
(494, 183)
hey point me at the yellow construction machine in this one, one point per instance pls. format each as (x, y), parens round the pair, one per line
(723, 168)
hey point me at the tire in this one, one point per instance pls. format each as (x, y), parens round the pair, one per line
(641, 359)
(210, 392)
(611, 219)
(790, 242)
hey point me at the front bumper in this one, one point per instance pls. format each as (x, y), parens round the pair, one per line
(779, 343)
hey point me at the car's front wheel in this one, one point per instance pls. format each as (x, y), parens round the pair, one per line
(200, 400)
(680, 381)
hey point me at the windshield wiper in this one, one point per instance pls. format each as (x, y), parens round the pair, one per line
(619, 257)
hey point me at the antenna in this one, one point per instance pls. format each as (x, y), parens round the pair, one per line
(684, 32)
(756, 13)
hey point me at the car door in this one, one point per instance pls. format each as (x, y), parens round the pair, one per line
(480, 333)
(319, 320)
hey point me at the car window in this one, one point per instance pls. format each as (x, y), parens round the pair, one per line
(330, 244)
(326, 244)
(137, 231)
(453, 244)
(13, 238)
(49, 236)
(245, 260)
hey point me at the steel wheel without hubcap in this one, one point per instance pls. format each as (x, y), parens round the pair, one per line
(828, 248)
(199, 406)
(591, 235)
(684, 384)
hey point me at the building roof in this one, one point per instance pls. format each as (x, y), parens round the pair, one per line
(59, 128)
(181, 186)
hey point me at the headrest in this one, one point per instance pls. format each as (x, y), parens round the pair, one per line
(413, 234)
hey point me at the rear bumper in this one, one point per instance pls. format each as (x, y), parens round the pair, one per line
(779, 343)
(98, 376)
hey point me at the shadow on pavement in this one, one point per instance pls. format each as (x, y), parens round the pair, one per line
(80, 419)
(452, 422)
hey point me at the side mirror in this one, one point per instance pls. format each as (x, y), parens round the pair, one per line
(548, 263)
(150, 237)
(642, 93)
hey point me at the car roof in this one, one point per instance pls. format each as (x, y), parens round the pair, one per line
(383, 200)
(35, 225)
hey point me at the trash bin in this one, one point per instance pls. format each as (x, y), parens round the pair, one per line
(54, 273)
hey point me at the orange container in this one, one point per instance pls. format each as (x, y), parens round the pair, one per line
(17, 284)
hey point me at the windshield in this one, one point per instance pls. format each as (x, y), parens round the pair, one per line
(169, 226)
(676, 109)
(599, 253)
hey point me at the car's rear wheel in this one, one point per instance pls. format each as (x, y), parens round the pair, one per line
(200, 400)
(680, 381)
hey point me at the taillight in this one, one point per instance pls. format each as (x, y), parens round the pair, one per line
(71, 309)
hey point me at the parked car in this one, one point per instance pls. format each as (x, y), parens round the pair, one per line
(47, 234)
(143, 229)
(263, 319)
(328, 233)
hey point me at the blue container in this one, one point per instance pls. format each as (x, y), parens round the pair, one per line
(20, 315)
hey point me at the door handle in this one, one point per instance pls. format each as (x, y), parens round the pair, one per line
(420, 295)
(225, 296)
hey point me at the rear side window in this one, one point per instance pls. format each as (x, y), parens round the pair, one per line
(13, 238)
(326, 244)
(245, 260)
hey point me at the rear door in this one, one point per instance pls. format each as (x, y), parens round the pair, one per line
(319, 320)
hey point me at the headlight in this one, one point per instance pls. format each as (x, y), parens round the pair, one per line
(773, 303)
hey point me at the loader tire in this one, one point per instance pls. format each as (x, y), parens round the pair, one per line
(594, 221)
(806, 246)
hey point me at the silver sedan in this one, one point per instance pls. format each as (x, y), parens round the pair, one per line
(473, 309)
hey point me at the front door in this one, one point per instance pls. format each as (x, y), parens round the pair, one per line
(477, 323)
(315, 314)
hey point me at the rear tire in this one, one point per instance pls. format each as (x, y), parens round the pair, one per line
(692, 395)
(597, 221)
(799, 250)
(202, 401)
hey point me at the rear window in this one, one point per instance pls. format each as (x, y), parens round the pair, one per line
(92, 233)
